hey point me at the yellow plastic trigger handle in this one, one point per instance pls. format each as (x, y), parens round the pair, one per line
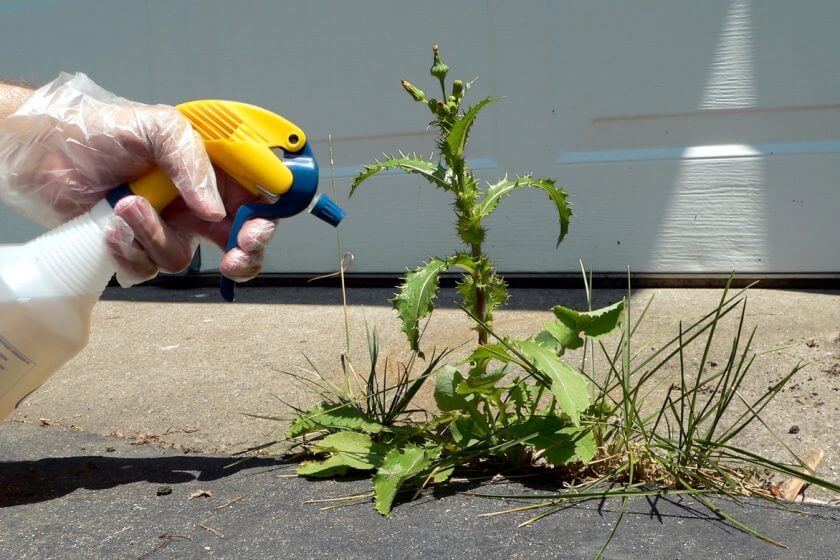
(239, 138)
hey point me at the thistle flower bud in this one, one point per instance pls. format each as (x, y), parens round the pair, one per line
(416, 93)
(458, 89)
(439, 69)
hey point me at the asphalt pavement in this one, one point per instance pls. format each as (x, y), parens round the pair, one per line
(66, 494)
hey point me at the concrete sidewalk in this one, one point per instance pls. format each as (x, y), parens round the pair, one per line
(71, 495)
(179, 367)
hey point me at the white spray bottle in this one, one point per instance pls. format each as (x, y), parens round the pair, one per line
(48, 286)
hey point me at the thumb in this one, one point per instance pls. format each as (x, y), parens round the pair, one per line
(179, 152)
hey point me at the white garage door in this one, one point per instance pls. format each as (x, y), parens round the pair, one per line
(695, 136)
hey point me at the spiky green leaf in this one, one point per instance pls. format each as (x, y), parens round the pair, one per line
(463, 261)
(470, 230)
(347, 450)
(456, 139)
(399, 466)
(567, 385)
(495, 294)
(333, 416)
(600, 322)
(429, 170)
(416, 297)
(566, 330)
(504, 187)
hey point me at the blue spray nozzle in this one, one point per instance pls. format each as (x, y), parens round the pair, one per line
(326, 209)
(298, 198)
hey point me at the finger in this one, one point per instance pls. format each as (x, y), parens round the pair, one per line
(255, 235)
(133, 265)
(179, 151)
(241, 266)
(171, 250)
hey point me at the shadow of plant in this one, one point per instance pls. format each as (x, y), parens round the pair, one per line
(28, 482)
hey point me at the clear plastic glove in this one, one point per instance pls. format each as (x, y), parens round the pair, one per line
(71, 142)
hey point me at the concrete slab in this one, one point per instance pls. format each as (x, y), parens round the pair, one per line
(179, 367)
(73, 495)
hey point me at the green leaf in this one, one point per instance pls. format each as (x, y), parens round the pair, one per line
(495, 294)
(463, 261)
(594, 324)
(569, 445)
(495, 289)
(567, 385)
(467, 431)
(560, 443)
(442, 475)
(446, 382)
(563, 335)
(416, 296)
(520, 396)
(348, 450)
(545, 338)
(481, 382)
(356, 450)
(487, 352)
(456, 139)
(398, 467)
(600, 322)
(331, 466)
(504, 187)
(470, 230)
(333, 416)
(430, 170)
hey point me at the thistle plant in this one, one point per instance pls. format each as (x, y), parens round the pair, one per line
(480, 286)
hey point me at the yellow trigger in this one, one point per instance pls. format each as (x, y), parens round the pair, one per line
(239, 139)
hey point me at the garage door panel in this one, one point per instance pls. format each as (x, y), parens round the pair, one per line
(694, 136)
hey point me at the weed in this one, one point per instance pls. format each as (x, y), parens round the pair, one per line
(481, 288)
(631, 420)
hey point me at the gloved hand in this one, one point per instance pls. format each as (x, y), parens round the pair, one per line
(71, 142)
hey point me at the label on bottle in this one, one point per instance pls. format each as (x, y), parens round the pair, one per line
(13, 359)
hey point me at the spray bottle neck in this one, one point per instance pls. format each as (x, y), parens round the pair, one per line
(75, 255)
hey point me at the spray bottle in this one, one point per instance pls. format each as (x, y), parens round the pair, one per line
(48, 286)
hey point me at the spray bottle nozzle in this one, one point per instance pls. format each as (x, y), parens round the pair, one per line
(301, 196)
(325, 208)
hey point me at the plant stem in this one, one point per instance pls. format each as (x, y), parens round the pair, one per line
(480, 301)
(340, 257)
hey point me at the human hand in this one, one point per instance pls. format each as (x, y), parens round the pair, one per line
(71, 142)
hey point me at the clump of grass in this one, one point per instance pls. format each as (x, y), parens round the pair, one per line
(681, 442)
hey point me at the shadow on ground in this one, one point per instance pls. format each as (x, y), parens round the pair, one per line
(29, 482)
(541, 300)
